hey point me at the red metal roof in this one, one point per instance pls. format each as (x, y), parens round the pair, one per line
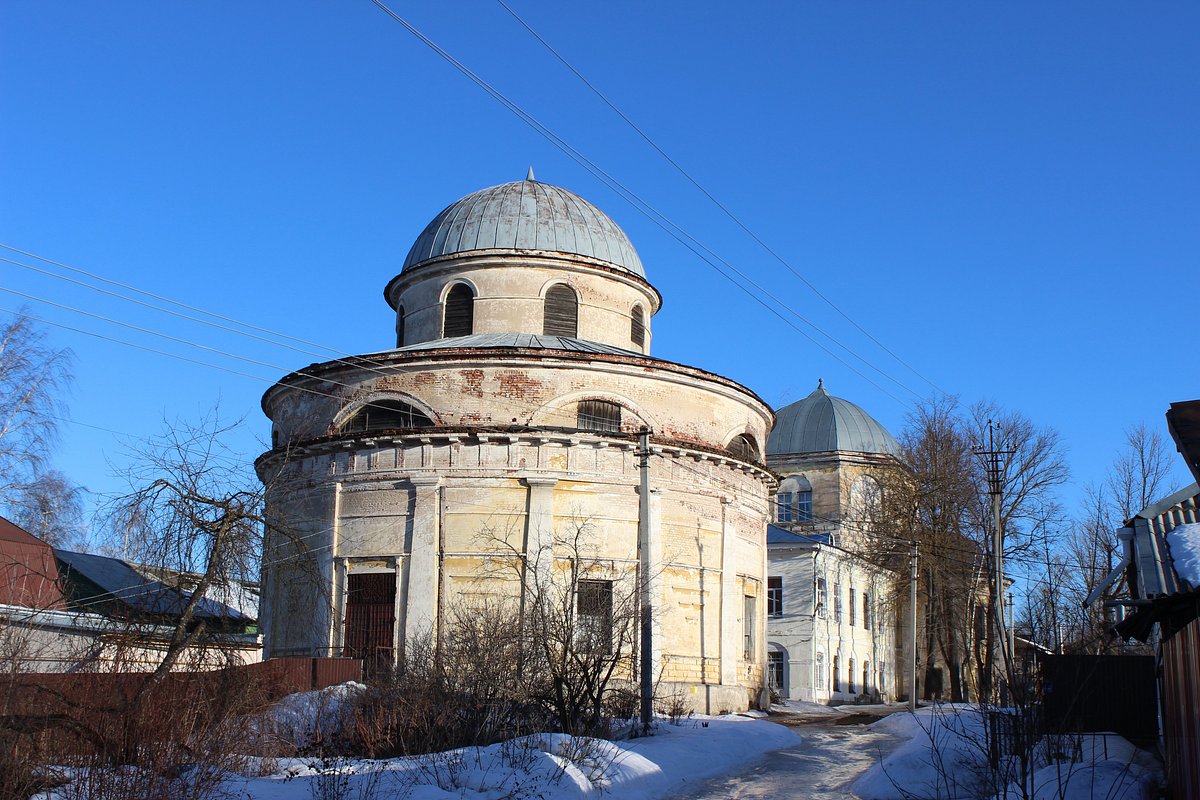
(28, 570)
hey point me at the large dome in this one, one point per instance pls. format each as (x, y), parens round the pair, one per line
(821, 422)
(525, 215)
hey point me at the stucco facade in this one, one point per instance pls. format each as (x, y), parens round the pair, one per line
(499, 453)
(833, 628)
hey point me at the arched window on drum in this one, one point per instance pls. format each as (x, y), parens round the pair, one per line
(560, 314)
(793, 501)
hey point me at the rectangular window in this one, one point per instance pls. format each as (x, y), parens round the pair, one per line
(850, 677)
(837, 603)
(819, 672)
(804, 506)
(783, 506)
(822, 598)
(850, 602)
(775, 670)
(867, 610)
(749, 625)
(775, 596)
(593, 609)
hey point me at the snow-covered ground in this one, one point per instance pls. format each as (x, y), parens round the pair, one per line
(945, 758)
(550, 767)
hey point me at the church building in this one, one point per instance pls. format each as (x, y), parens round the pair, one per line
(503, 425)
(831, 600)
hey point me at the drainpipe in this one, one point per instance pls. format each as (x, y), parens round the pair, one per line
(1125, 536)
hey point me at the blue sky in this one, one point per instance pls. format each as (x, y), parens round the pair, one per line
(1003, 194)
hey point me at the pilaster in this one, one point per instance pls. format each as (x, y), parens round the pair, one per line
(422, 563)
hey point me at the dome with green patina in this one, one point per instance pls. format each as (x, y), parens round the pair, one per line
(525, 215)
(822, 423)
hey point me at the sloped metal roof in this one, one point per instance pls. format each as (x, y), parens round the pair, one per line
(123, 582)
(528, 341)
(821, 422)
(778, 535)
(525, 215)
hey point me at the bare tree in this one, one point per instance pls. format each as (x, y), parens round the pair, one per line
(33, 376)
(51, 508)
(1137, 477)
(195, 512)
(579, 620)
(940, 499)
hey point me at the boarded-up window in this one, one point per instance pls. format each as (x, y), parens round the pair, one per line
(637, 326)
(744, 448)
(599, 415)
(460, 312)
(400, 327)
(561, 316)
(382, 415)
(370, 616)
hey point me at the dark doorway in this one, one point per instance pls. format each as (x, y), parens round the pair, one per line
(370, 618)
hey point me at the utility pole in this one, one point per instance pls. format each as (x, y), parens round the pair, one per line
(993, 459)
(646, 646)
(912, 635)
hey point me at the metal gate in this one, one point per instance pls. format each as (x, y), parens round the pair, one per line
(370, 618)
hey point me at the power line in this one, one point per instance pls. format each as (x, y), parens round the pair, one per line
(724, 209)
(650, 212)
(160, 297)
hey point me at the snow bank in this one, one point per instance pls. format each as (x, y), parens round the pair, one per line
(303, 719)
(945, 757)
(549, 767)
(1184, 543)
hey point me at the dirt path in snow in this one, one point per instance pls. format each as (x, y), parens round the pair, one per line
(834, 752)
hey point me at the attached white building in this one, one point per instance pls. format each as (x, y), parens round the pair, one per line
(832, 622)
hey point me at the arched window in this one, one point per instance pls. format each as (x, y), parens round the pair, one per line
(835, 677)
(400, 326)
(793, 503)
(743, 447)
(850, 676)
(637, 326)
(866, 684)
(599, 415)
(383, 415)
(459, 317)
(561, 314)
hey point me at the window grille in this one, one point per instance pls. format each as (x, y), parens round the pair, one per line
(637, 326)
(775, 596)
(749, 624)
(850, 677)
(384, 415)
(775, 670)
(400, 327)
(742, 447)
(837, 603)
(822, 598)
(561, 312)
(850, 603)
(459, 317)
(594, 608)
(819, 672)
(599, 415)
(866, 611)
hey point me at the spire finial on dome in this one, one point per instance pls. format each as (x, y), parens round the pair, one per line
(820, 383)
(529, 175)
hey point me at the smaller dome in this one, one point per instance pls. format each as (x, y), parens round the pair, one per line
(821, 422)
(525, 215)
